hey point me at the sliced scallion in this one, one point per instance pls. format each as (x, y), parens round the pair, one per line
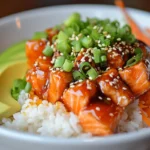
(96, 53)
(103, 58)
(134, 60)
(77, 75)
(75, 17)
(92, 74)
(63, 46)
(48, 51)
(87, 42)
(84, 67)
(68, 65)
(59, 62)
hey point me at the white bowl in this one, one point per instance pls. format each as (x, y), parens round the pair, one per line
(38, 20)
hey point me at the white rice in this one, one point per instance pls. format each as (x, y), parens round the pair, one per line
(131, 119)
(53, 119)
(45, 119)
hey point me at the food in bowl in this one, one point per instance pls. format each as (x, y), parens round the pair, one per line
(84, 78)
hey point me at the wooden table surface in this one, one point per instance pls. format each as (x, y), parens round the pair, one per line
(8, 7)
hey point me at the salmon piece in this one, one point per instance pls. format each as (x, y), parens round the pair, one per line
(38, 80)
(144, 104)
(59, 81)
(112, 86)
(100, 119)
(137, 78)
(115, 60)
(118, 54)
(43, 64)
(77, 97)
(83, 57)
(34, 49)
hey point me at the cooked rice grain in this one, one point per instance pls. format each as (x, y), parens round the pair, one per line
(45, 119)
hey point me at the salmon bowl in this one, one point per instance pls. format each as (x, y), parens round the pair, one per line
(83, 110)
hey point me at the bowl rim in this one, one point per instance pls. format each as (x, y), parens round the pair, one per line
(113, 139)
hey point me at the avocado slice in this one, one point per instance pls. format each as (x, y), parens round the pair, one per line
(9, 106)
(14, 52)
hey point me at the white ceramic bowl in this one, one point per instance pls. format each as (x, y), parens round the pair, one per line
(40, 19)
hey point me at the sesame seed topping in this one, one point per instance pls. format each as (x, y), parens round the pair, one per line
(100, 98)
(124, 88)
(44, 58)
(111, 114)
(108, 98)
(98, 108)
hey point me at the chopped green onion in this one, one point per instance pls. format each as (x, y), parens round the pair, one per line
(95, 35)
(138, 51)
(96, 53)
(92, 74)
(134, 60)
(78, 75)
(18, 86)
(59, 62)
(62, 36)
(68, 65)
(48, 51)
(87, 42)
(63, 46)
(40, 35)
(77, 46)
(28, 87)
(103, 58)
(84, 67)
(75, 17)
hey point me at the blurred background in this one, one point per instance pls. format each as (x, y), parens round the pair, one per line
(8, 7)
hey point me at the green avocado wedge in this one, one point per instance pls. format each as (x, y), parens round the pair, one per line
(12, 66)
(9, 106)
(14, 52)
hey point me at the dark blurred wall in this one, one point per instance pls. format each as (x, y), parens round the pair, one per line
(8, 7)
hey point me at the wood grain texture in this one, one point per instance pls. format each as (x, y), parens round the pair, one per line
(8, 7)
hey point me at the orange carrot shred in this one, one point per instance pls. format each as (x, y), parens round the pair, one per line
(135, 29)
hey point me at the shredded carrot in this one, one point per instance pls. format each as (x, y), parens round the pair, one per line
(135, 29)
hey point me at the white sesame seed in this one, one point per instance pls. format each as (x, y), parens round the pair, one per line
(40, 57)
(98, 108)
(108, 98)
(100, 98)
(33, 73)
(108, 36)
(124, 88)
(119, 39)
(72, 86)
(118, 77)
(95, 27)
(80, 80)
(44, 58)
(120, 69)
(90, 78)
(111, 114)
(111, 75)
(106, 80)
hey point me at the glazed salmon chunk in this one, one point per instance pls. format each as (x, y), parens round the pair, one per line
(137, 78)
(78, 96)
(112, 86)
(34, 49)
(100, 119)
(59, 81)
